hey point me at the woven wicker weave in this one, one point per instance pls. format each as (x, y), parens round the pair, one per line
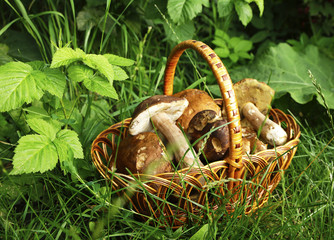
(174, 198)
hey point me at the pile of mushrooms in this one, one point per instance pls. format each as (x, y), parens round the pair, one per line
(258, 131)
(192, 118)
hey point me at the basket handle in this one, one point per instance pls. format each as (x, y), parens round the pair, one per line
(226, 89)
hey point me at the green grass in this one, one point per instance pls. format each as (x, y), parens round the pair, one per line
(53, 206)
(57, 206)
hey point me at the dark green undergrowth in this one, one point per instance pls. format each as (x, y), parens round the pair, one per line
(70, 200)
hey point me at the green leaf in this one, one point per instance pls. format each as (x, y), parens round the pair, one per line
(259, 3)
(288, 72)
(221, 35)
(119, 74)
(234, 41)
(184, 10)
(234, 57)
(119, 61)
(34, 153)
(260, 36)
(101, 86)
(4, 58)
(180, 32)
(200, 234)
(65, 155)
(244, 11)
(45, 128)
(224, 7)
(54, 82)
(79, 73)
(222, 52)
(37, 65)
(65, 56)
(243, 46)
(100, 63)
(71, 138)
(18, 85)
(245, 55)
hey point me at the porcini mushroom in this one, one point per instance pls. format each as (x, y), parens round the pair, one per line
(254, 99)
(142, 153)
(217, 143)
(251, 144)
(198, 101)
(163, 111)
(201, 115)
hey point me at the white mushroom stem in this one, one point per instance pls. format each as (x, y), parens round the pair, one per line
(175, 138)
(273, 133)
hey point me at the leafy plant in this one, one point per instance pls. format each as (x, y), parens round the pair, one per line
(24, 83)
(283, 66)
(97, 71)
(241, 7)
(185, 10)
(235, 49)
(40, 153)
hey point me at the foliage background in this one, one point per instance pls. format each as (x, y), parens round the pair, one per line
(273, 41)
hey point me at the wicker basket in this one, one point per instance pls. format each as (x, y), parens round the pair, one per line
(179, 197)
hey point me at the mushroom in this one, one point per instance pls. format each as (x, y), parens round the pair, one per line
(215, 146)
(142, 153)
(251, 144)
(201, 115)
(198, 101)
(163, 111)
(254, 99)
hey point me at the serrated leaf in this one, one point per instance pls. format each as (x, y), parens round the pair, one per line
(71, 138)
(119, 61)
(244, 11)
(224, 7)
(100, 63)
(37, 65)
(18, 85)
(79, 73)
(119, 74)
(34, 153)
(54, 82)
(288, 72)
(64, 151)
(65, 56)
(44, 128)
(101, 86)
(65, 154)
(184, 10)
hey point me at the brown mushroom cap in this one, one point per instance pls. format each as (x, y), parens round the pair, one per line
(198, 101)
(161, 111)
(258, 93)
(143, 153)
(215, 147)
(254, 99)
(173, 106)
